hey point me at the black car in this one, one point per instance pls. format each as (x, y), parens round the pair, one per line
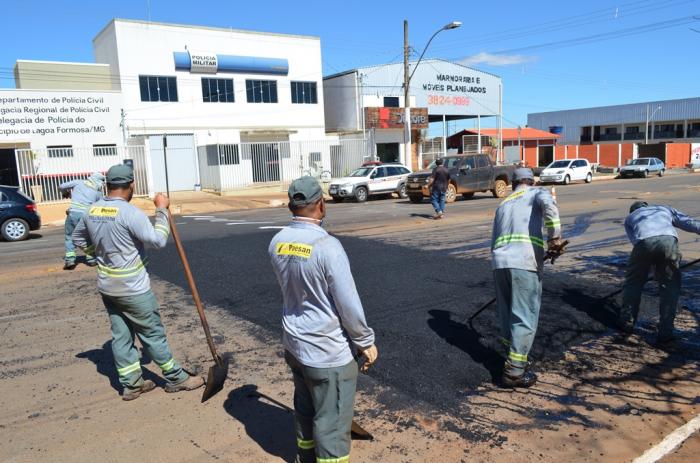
(18, 214)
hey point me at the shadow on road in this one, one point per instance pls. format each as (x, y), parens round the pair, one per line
(270, 426)
(104, 365)
(466, 339)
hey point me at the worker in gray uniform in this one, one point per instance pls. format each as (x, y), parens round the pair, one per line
(518, 251)
(651, 229)
(82, 193)
(118, 233)
(324, 327)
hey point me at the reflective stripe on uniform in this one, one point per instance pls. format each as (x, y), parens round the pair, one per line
(90, 250)
(513, 196)
(121, 272)
(552, 223)
(162, 228)
(305, 444)
(517, 238)
(517, 357)
(167, 366)
(344, 459)
(75, 205)
(136, 366)
(70, 254)
(504, 341)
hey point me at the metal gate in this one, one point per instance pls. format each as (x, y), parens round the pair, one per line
(42, 171)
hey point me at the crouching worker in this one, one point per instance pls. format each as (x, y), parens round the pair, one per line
(82, 193)
(118, 233)
(324, 327)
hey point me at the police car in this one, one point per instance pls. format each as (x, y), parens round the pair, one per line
(373, 178)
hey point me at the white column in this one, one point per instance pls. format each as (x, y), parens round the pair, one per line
(500, 123)
(619, 154)
(478, 142)
(444, 138)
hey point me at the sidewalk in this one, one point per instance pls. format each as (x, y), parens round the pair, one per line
(187, 202)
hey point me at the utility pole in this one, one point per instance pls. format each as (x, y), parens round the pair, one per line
(406, 99)
(122, 123)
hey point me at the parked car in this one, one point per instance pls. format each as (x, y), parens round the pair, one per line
(18, 214)
(371, 179)
(469, 173)
(566, 171)
(642, 167)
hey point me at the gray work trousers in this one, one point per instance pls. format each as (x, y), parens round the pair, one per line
(660, 252)
(133, 316)
(323, 406)
(518, 296)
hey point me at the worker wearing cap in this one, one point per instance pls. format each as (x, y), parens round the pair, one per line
(118, 233)
(651, 229)
(518, 250)
(324, 327)
(82, 194)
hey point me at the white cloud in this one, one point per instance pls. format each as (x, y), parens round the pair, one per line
(495, 59)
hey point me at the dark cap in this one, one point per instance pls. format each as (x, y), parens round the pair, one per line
(638, 205)
(303, 191)
(522, 173)
(121, 174)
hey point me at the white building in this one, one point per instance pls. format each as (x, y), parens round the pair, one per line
(235, 107)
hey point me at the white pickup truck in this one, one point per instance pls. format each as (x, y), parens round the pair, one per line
(371, 179)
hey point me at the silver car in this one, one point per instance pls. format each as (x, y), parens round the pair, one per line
(643, 167)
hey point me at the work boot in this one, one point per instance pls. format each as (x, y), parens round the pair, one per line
(131, 394)
(91, 262)
(666, 339)
(191, 383)
(527, 379)
(625, 324)
(69, 265)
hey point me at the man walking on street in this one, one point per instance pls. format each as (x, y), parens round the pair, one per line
(651, 229)
(82, 194)
(439, 180)
(117, 233)
(324, 327)
(518, 251)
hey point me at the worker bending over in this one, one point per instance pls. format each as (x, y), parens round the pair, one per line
(651, 229)
(118, 233)
(518, 250)
(324, 327)
(82, 193)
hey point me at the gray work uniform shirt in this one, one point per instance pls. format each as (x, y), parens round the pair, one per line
(518, 240)
(83, 193)
(650, 221)
(117, 233)
(322, 316)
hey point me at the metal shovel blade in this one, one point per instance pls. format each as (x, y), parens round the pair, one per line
(216, 377)
(357, 432)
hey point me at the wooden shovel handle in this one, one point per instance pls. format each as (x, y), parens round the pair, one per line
(193, 288)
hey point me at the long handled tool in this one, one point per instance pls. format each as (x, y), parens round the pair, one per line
(217, 373)
(548, 256)
(684, 266)
(358, 432)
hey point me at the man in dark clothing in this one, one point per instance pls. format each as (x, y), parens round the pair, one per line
(439, 180)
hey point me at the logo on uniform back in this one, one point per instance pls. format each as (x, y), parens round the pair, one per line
(294, 249)
(103, 213)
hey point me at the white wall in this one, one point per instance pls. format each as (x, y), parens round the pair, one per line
(44, 118)
(341, 103)
(147, 49)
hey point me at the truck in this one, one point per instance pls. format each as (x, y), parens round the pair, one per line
(469, 174)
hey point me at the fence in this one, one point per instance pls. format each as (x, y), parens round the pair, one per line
(42, 171)
(226, 167)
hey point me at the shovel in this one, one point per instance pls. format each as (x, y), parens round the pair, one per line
(217, 373)
(682, 267)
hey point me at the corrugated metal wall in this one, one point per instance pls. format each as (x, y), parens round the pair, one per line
(572, 120)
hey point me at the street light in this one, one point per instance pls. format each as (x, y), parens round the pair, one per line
(646, 127)
(407, 82)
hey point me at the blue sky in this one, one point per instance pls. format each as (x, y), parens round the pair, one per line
(551, 54)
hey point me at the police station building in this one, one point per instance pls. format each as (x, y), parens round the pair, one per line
(233, 108)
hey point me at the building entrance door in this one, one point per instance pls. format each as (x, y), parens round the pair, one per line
(545, 155)
(8, 167)
(388, 152)
(266, 162)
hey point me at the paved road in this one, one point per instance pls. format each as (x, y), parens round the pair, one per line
(419, 278)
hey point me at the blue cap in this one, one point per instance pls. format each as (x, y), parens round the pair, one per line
(121, 174)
